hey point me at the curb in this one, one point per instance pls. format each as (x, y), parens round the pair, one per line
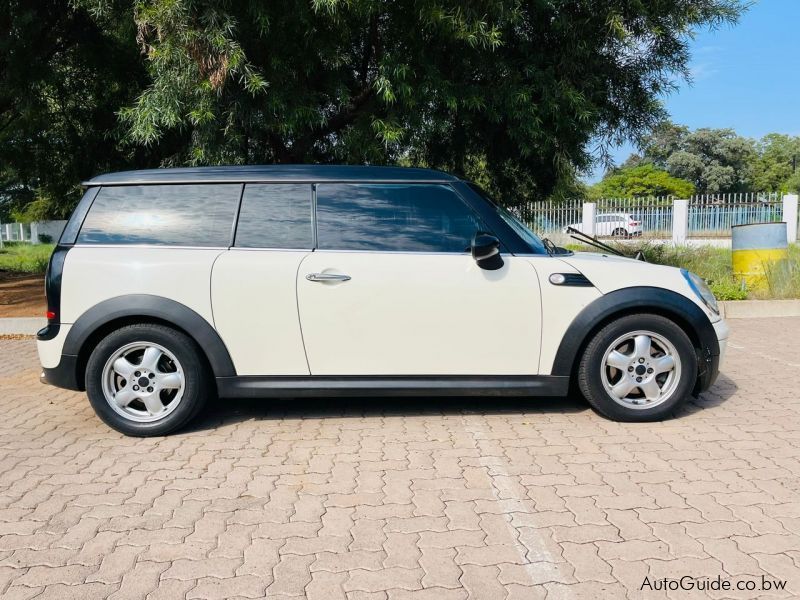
(730, 309)
(21, 325)
(754, 309)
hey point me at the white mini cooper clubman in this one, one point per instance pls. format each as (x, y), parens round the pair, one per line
(172, 286)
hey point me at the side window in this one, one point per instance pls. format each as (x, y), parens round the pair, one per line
(163, 215)
(275, 216)
(394, 217)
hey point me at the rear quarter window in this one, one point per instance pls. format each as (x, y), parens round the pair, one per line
(164, 215)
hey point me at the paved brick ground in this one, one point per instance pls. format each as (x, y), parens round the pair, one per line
(424, 499)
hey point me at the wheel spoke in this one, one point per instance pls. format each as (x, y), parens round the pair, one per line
(663, 364)
(123, 367)
(618, 360)
(623, 388)
(650, 389)
(150, 358)
(171, 381)
(153, 404)
(124, 397)
(642, 346)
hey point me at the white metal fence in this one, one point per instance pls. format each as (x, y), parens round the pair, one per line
(713, 216)
(710, 215)
(38, 232)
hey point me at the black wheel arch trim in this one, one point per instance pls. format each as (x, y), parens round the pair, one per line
(641, 299)
(155, 307)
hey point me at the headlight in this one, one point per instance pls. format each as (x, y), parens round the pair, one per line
(701, 289)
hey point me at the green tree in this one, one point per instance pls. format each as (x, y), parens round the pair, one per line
(777, 164)
(714, 160)
(642, 180)
(517, 88)
(62, 79)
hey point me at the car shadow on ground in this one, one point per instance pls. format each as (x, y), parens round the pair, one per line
(723, 389)
(229, 411)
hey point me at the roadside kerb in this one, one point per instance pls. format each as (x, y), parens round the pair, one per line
(754, 309)
(21, 325)
(730, 309)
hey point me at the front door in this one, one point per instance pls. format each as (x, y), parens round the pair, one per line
(393, 290)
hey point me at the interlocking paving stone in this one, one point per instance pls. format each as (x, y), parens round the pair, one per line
(368, 499)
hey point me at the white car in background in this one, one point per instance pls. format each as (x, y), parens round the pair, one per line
(613, 225)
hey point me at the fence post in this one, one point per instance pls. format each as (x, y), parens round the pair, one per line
(790, 216)
(589, 217)
(680, 222)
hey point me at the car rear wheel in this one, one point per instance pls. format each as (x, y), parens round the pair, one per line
(620, 232)
(638, 368)
(147, 379)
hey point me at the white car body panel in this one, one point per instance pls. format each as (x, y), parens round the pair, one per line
(419, 314)
(255, 310)
(609, 273)
(96, 273)
(560, 306)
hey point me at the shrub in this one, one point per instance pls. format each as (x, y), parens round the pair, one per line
(25, 258)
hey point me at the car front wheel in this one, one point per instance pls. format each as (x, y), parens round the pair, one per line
(147, 379)
(638, 368)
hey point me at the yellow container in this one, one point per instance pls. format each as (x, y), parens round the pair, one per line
(757, 248)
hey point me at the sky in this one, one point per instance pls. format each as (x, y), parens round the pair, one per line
(745, 76)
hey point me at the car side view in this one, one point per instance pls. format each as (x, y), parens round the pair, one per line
(172, 286)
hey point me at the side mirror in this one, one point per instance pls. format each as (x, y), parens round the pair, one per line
(486, 251)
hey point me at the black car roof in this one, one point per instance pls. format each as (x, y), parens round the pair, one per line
(271, 173)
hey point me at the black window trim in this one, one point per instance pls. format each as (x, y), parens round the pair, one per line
(235, 224)
(510, 241)
(69, 237)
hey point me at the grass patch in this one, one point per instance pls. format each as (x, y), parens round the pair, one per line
(25, 258)
(714, 265)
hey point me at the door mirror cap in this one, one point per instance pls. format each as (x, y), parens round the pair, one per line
(486, 251)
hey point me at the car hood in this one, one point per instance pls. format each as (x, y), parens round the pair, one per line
(609, 273)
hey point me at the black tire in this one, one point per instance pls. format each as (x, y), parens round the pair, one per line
(198, 382)
(620, 232)
(590, 368)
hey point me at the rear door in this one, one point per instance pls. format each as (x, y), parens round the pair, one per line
(392, 288)
(253, 289)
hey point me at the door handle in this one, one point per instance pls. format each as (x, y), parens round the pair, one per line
(323, 277)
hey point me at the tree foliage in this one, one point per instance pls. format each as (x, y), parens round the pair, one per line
(714, 160)
(642, 180)
(519, 88)
(777, 163)
(512, 92)
(719, 160)
(61, 80)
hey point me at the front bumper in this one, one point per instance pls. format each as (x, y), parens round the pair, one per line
(709, 362)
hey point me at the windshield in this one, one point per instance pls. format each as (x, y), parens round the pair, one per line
(522, 230)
